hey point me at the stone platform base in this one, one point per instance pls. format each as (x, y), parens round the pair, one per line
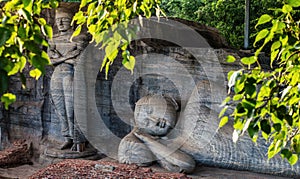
(68, 154)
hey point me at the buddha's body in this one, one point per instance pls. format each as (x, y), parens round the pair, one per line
(154, 117)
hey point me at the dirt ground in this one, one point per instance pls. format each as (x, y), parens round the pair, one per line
(25, 171)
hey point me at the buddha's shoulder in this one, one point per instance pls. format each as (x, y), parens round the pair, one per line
(81, 37)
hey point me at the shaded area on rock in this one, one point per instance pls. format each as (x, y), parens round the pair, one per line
(210, 34)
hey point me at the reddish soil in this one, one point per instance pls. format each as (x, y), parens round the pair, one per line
(73, 168)
(101, 169)
(19, 154)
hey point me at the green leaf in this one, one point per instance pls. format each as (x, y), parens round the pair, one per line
(223, 121)
(37, 7)
(232, 78)
(249, 60)
(264, 92)
(239, 85)
(285, 153)
(261, 35)
(14, 70)
(284, 40)
(273, 56)
(230, 59)
(294, 3)
(238, 97)
(286, 90)
(265, 126)
(42, 21)
(112, 54)
(274, 148)
(277, 127)
(101, 37)
(40, 61)
(5, 35)
(25, 14)
(111, 50)
(295, 78)
(293, 159)
(223, 111)
(287, 8)
(54, 3)
(275, 45)
(250, 89)
(83, 3)
(79, 17)
(31, 46)
(26, 2)
(28, 5)
(7, 99)
(35, 73)
(22, 63)
(39, 40)
(129, 64)
(76, 32)
(264, 19)
(106, 70)
(45, 58)
(252, 130)
(47, 31)
(226, 100)
(296, 145)
(103, 63)
(248, 104)
(22, 32)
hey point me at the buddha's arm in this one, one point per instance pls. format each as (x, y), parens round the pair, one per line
(73, 53)
(170, 157)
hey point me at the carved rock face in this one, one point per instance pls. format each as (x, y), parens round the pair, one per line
(155, 115)
(63, 21)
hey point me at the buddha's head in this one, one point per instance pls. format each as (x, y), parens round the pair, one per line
(155, 114)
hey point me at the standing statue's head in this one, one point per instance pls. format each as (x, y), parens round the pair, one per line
(64, 15)
(63, 19)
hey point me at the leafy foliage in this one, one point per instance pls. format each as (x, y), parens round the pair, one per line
(24, 34)
(228, 17)
(267, 101)
(185, 9)
(110, 19)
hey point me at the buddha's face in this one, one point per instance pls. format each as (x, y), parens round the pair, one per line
(63, 21)
(154, 115)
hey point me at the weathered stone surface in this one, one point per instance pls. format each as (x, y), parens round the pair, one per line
(64, 55)
(212, 36)
(67, 154)
(154, 117)
(33, 115)
(216, 148)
